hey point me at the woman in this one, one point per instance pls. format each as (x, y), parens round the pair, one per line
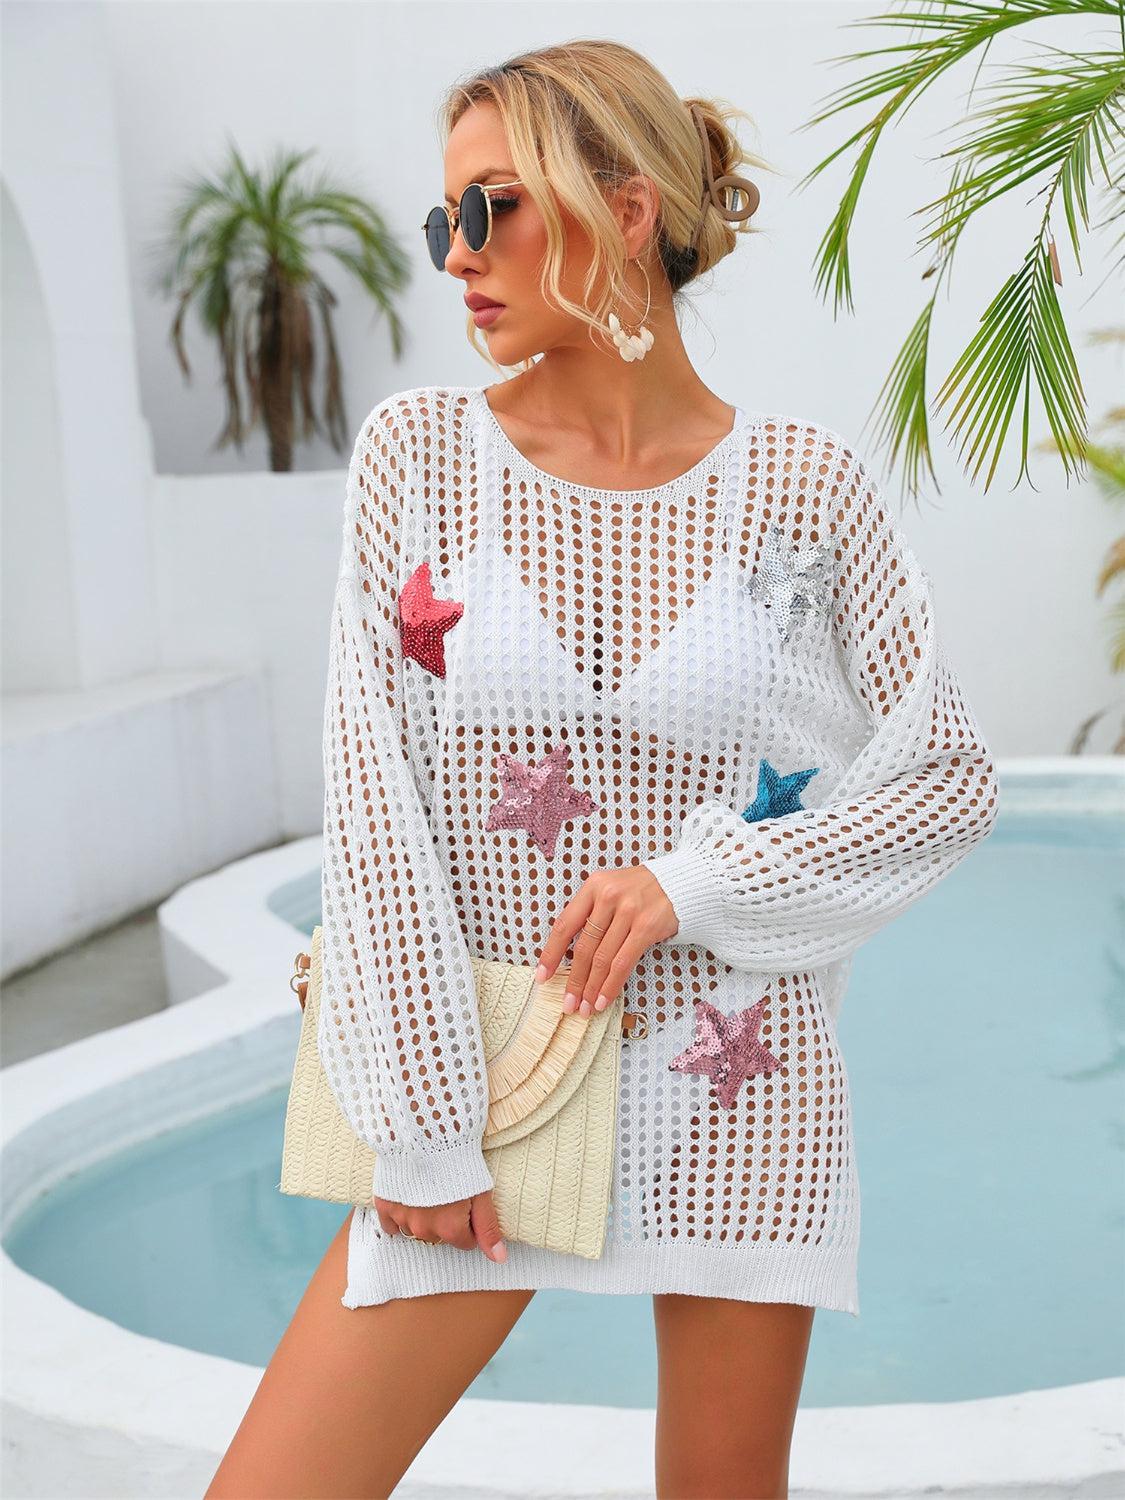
(676, 713)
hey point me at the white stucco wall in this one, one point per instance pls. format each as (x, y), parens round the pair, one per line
(62, 172)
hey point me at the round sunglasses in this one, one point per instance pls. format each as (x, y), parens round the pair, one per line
(474, 217)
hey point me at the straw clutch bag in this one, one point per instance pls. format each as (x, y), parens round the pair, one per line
(552, 1116)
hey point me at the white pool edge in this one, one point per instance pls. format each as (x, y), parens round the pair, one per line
(136, 1416)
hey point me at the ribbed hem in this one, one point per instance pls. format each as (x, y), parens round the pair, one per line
(382, 1267)
(689, 885)
(424, 1181)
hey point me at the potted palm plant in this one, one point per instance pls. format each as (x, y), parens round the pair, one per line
(241, 249)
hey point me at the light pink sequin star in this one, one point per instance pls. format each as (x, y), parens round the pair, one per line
(537, 797)
(726, 1049)
(423, 620)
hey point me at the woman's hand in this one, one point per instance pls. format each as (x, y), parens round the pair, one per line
(467, 1223)
(632, 912)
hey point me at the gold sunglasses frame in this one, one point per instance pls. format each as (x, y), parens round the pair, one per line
(487, 189)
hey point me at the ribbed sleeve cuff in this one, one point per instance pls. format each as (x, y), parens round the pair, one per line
(688, 883)
(425, 1180)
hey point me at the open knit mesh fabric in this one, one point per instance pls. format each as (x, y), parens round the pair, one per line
(625, 627)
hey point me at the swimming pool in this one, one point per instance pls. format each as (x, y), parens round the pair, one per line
(985, 1038)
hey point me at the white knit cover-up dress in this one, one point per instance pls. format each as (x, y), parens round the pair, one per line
(793, 758)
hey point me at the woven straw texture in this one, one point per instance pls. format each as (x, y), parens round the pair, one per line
(553, 1090)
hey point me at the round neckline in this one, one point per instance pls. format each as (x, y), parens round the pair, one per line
(741, 416)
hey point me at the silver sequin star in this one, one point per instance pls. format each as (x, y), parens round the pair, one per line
(792, 580)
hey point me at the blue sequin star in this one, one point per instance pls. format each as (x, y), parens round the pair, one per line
(777, 794)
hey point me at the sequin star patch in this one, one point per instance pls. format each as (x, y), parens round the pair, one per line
(792, 581)
(778, 795)
(423, 620)
(726, 1049)
(537, 797)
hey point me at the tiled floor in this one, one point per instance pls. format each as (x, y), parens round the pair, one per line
(105, 981)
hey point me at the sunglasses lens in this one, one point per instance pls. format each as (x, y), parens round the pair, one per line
(437, 236)
(474, 216)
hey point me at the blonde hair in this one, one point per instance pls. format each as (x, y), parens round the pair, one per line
(583, 116)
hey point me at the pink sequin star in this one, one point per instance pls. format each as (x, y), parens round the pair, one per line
(537, 797)
(423, 620)
(727, 1049)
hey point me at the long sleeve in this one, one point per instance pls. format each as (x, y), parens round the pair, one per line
(808, 887)
(399, 1024)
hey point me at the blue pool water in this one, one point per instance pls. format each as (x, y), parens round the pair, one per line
(985, 1038)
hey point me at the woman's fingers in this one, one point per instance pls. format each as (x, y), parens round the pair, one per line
(448, 1222)
(586, 945)
(383, 1208)
(593, 963)
(486, 1226)
(612, 920)
(607, 980)
(623, 963)
(567, 924)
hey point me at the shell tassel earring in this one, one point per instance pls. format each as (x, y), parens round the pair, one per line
(633, 340)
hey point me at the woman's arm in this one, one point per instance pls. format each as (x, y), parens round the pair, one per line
(805, 888)
(399, 1025)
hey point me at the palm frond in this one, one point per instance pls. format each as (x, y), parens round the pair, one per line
(948, 36)
(1021, 330)
(1112, 567)
(1107, 469)
(904, 404)
(902, 400)
(1050, 126)
(833, 264)
(279, 177)
(1116, 627)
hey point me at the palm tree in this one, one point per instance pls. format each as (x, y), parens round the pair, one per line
(241, 247)
(1061, 125)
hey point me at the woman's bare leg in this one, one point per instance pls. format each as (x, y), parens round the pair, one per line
(351, 1394)
(730, 1377)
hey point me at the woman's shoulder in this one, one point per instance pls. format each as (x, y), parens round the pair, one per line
(800, 437)
(409, 415)
(809, 457)
(819, 478)
(408, 445)
(815, 476)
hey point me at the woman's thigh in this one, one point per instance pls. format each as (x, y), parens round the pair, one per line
(730, 1377)
(351, 1394)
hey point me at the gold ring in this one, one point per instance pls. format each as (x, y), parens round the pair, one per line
(594, 925)
(414, 1237)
